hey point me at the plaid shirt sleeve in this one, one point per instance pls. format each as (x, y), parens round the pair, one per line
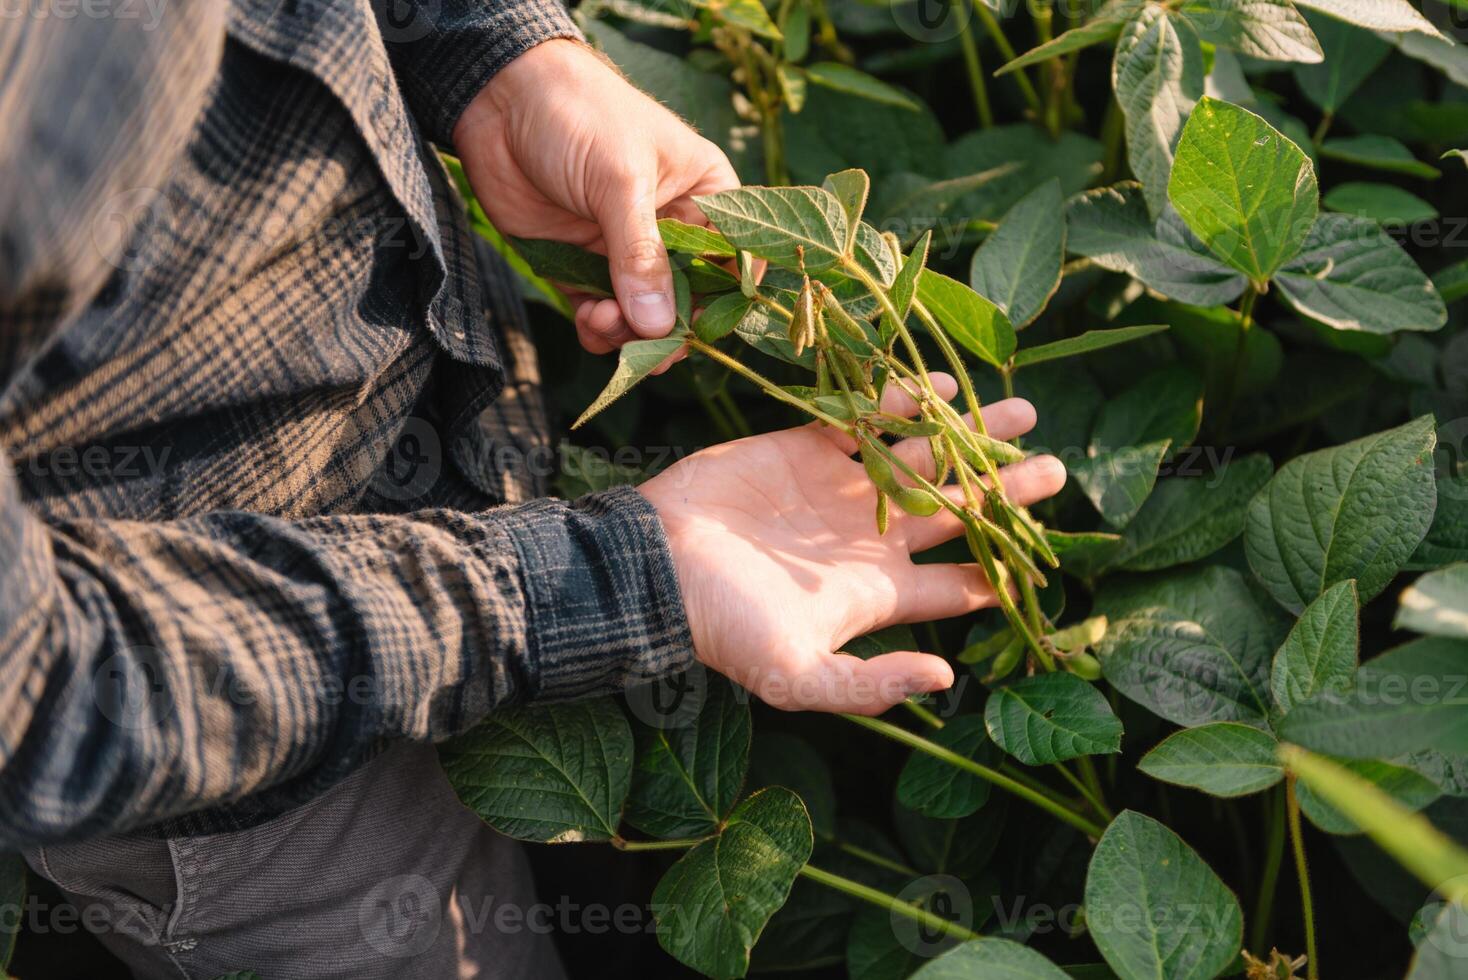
(446, 51)
(151, 669)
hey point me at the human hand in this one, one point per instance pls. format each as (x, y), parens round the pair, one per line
(559, 145)
(775, 543)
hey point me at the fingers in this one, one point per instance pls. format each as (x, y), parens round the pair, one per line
(898, 398)
(1033, 480)
(842, 682)
(1004, 420)
(641, 277)
(941, 591)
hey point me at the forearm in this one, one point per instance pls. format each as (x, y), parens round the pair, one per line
(148, 670)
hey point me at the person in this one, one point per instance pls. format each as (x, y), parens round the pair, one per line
(237, 291)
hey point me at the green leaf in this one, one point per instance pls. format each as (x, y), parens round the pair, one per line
(679, 236)
(1447, 538)
(961, 847)
(1383, 203)
(1050, 718)
(778, 759)
(552, 773)
(773, 222)
(1033, 157)
(1352, 511)
(934, 788)
(1271, 30)
(1105, 25)
(977, 324)
(1188, 518)
(1445, 55)
(748, 14)
(1408, 699)
(1091, 340)
(796, 28)
(1321, 651)
(851, 189)
(1351, 55)
(1192, 645)
(1141, 877)
(844, 78)
(1133, 433)
(1083, 553)
(905, 284)
(1221, 759)
(721, 317)
(1407, 788)
(1378, 153)
(1018, 266)
(912, 204)
(1157, 74)
(1243, 188)
(1112, 227)
(568, 265)
(584, 471)
(1409, 837)
(1394, 16)
(687, 777)
(712, 905)
(1437, 603)
(636, 361)
(991, 959)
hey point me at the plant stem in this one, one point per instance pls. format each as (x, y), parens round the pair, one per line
(1006, 50)
(622, 844)
(731, 409)
(1307, 903)
(1273, 858)
(715, 413)
(1321, 128)
(975, 74)
(1055, 807)
(877, 860)
(1093, 782)
(922, 713)
(890, 902)
(1241, 356)
(769, 387)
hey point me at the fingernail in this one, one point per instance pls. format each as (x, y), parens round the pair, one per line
(652, 313)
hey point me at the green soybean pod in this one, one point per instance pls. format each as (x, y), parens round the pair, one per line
(1083, 665)
(914, 500)
(1006, 661)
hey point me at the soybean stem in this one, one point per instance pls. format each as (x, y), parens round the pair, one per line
(890, 902)
(1269, 880)
(1307, 903)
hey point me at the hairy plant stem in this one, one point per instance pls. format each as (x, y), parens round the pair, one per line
(1057, 808)
(890, 902)
(1318, 136)
(876, 860)
(1302, 869)
(975, 70)
(1269, 880)
(769, 387)
(1006, 51)
(622, 844)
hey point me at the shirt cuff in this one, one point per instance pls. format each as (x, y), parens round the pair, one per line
(603, 605)
(466, 44)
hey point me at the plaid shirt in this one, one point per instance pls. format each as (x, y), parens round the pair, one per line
(269, 420)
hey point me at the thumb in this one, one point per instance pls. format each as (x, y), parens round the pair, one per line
(641, 277)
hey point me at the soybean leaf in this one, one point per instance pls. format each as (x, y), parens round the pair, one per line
(1320, 652)
(1378, 153)
(1243, 188)
(1445, 55)
(1408, 699)
(1031, 157)
(905, 284)
(722, 316)
(935, 788)
(766, 333)
(1437, 603)
(1447, 538)
(1157, 74)
(772, 222)
(680, 236)
(748, 14)
(585, 470)
(1104, 25)
(1351, 55)
(1421, 848)
(1188, 518)
(1091, 340)
(913, 203)
(1385, 204)
(1133, 433)
(687, 776)
(1271, 30)
(1221, 759)
(778, 759)
(844, 78)
(1405, 787)
(712, 905)
(959, 847)
(1141, 874)
(566, 264)
(636, 361)
(796, 28)
(969, 318)
(1192, 645)
(1083, 553)
(1050, 718)
(1112, 227)
(552, 773)
(992, 959)
(1352, 511)
(1018, 266)
(1395, 16)
(851, 188)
